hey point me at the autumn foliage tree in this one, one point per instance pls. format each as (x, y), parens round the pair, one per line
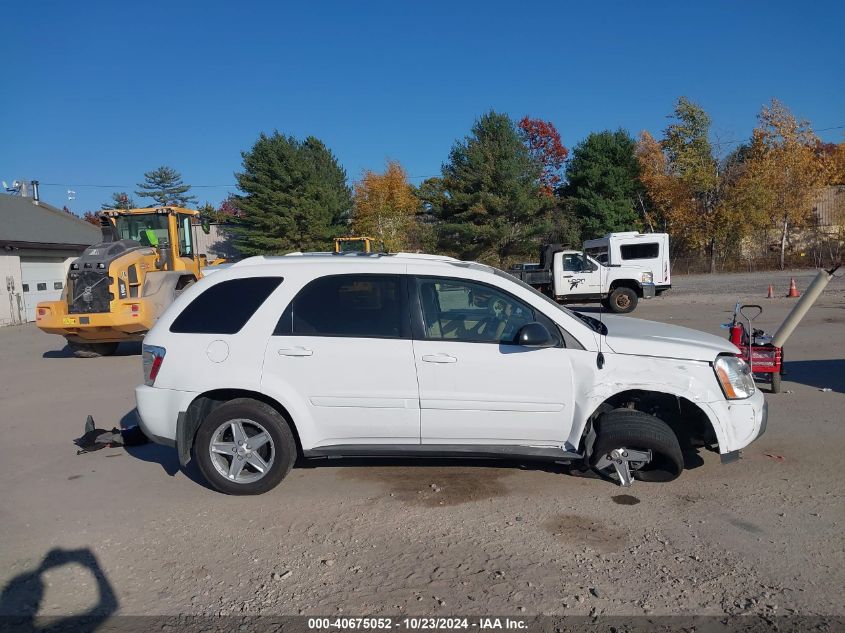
(385, 207)
(544, 145)
(91, 217)
(119, 200)
(687, 185)
(784, 172)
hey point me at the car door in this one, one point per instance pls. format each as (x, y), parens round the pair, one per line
(476, 386)
(342, 355)
(579, 275)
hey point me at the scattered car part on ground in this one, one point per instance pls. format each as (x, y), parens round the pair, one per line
(93, 439)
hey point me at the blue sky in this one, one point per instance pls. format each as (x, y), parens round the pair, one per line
(96, 93)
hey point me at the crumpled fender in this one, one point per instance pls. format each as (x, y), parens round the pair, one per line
(693, 380)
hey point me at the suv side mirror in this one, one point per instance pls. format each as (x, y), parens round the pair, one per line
(534, 335)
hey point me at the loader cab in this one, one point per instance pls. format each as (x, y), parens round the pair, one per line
(167, 229)
(357, 245)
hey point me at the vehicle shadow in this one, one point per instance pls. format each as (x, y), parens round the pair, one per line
(22, 596)
(822, 374)
(167, 458)
(124, 349)
(164, 456)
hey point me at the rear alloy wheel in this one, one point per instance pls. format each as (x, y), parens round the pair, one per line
(634, 445)
(244, 447)
(92, 350)
(622, 300)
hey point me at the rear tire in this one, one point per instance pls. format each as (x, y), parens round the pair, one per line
(92, 350)
(279, 453)
(629, 429)
(622, 300)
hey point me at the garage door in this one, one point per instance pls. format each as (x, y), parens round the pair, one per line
(42, 279)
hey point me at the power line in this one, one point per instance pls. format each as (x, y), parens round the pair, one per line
(60, 184)
(234, 185)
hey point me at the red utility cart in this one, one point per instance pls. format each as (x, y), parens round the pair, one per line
(765, 359)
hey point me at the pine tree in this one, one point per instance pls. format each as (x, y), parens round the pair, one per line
(295, 196)
(164, 185)
(493, 209)
(119, 200)
(603, 184)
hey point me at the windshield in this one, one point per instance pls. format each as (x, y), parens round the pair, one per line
(150, 229)
(352, 246)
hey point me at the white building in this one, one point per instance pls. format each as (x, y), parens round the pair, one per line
(37, 244)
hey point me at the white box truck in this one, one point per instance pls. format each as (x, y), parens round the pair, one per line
(647, 250)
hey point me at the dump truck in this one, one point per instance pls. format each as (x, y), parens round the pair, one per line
(117, 288)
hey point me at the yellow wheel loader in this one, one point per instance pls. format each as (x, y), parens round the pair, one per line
(117, 289)
(357, 245)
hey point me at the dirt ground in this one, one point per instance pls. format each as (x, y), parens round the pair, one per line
(126, 532)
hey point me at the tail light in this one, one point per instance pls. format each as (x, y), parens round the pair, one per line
(153, 357)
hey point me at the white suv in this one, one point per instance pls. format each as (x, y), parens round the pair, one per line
(315, 355)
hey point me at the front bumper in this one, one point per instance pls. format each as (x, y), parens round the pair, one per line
(158, 411)
(739, 422)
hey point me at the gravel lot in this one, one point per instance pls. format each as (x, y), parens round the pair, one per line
(762, 536)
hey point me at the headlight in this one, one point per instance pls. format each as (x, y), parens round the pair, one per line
(734, 375)
(647, 278)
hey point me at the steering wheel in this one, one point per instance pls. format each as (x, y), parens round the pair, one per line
(490, 328)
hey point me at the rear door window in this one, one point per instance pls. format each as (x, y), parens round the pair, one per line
(224, 308)
(353, 306)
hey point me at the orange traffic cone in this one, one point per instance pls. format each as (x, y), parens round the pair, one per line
(771, 294)
(793, 291)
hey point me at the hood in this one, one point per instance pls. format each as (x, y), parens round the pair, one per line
(650, 338)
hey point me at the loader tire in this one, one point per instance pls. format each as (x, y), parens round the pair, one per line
(92, 350)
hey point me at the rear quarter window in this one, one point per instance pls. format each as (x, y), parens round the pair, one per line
(225, 308)
(352, 306)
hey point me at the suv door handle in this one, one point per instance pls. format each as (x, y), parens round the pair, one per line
(439, 358)
(295, 351)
